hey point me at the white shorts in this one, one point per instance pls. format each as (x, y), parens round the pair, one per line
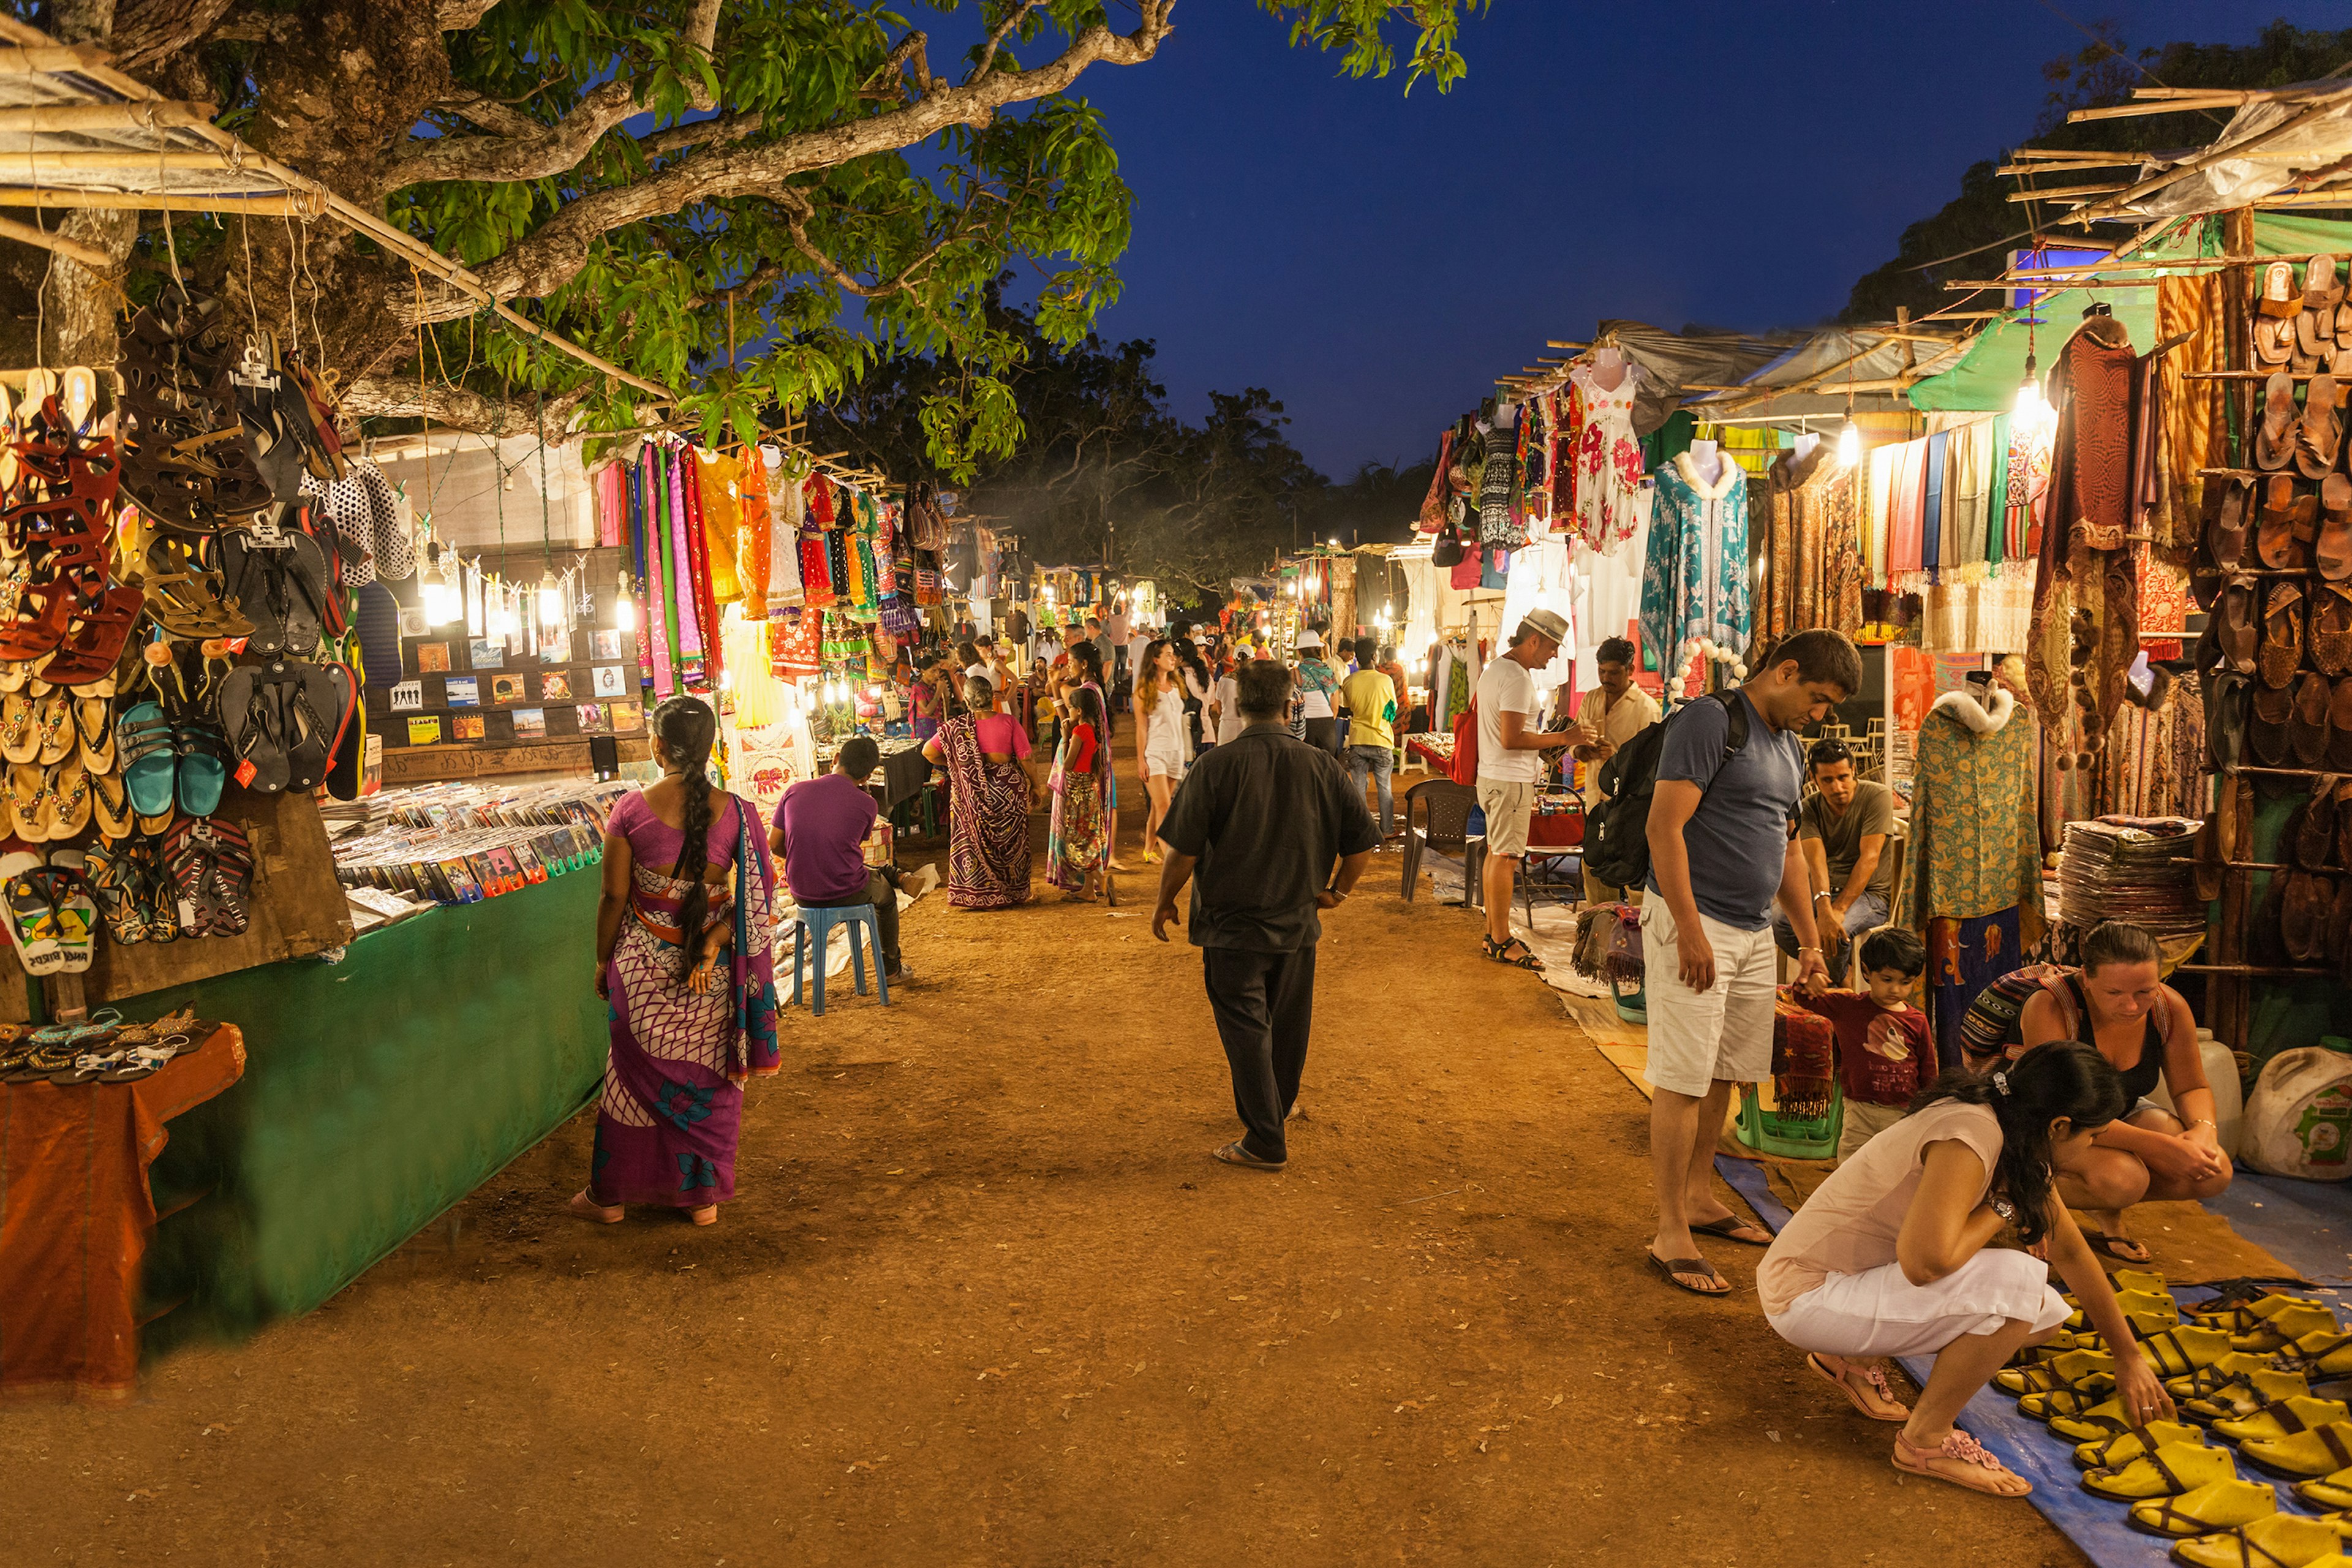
(1879, 1312)
(1721, 1034)
(1164, 759)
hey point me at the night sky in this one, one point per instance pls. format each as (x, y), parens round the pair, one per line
(1375, 259)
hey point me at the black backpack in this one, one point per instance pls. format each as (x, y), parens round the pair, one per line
(1617, 831)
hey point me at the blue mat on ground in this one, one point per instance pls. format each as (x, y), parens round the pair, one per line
(2290, 1219)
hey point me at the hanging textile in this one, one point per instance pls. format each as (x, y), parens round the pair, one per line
(2194, 432)
(2152, 766)
(1964, 956)
(795, 644)
(2086, 605)
(1695, 578)
(720, 498)
(1906, 510)
(1815, 577)
(1433, 505)
(1496, 480)
(2027, 491)
(1884, 462)
(1975, 845)
(1609, 459)
(662, 620)
(1568, 439)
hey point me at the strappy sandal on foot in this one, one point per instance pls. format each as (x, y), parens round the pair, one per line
(1962, 1460)
(587, 1208)
(1500, 952)
(1234, 1153)
(1872, 1397)
(1672, 1269)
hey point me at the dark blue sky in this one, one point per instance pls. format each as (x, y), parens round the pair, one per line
(1376, 260)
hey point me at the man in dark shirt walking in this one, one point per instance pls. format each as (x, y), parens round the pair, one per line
(1269, 832)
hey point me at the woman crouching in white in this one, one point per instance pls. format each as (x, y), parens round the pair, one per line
(1891, 1256)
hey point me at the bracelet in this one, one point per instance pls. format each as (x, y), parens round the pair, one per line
(2206, 1121)
(1802, 950)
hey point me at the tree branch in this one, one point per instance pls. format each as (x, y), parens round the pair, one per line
(457, 408)
(457, 15)
(152, 32)
(497, 118)
(914, 47)
(542, 150)
(679, 138)
(557, 250)
(988, 50)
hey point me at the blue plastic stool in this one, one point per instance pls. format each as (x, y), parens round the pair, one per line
(819, 923)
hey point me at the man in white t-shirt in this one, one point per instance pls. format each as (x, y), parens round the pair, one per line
(1509, 767)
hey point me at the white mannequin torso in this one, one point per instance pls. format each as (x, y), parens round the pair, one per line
(1608, 369)
(1706, 460)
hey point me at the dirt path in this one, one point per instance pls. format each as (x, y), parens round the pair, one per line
(985, 1299)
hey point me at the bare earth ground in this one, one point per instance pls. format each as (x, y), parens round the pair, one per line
(985, 1298)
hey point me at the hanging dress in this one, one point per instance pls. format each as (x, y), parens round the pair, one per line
(1695, 579)
(1608, 461)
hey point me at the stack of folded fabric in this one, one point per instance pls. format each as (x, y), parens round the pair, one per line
(2135, 869)
(2240, 1369)
(1804, 1058)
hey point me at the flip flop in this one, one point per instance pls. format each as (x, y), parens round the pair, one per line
(2112, 1246)
(346, 772)
(2320, 439)
(2239, 634)
(146, 758)
(316, 710)
(1670, 1269)
(2226, 536)
(201, 766)
(2310, 837)
(32, 922)
(1730, 1223)
(2274, 438)
(2266, 738)
(1234, 1153)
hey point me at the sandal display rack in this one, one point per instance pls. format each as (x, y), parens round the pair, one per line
(2244, 780)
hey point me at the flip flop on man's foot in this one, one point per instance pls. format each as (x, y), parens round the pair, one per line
(1678, 1271)
(1502, 952)
(1234, 1154)
(1730, 1228)
(2122, 1248)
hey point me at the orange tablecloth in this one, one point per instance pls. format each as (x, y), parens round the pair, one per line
(75, 1215)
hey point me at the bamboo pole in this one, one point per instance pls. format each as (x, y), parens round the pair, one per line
(44, 59)
(289, 205)
(2316, 109)
(43, 159)
(65, 118)
(90, 256)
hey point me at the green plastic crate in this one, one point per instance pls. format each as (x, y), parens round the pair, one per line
(1790, 1137)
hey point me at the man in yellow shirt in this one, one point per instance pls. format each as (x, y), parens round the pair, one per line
(1371, 701)
(1611, 714)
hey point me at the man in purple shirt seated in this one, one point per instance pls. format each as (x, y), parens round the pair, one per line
(820, 838)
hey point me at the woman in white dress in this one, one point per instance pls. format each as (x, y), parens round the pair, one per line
(1162, 750)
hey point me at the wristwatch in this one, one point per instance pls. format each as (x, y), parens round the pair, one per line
(2003, 1208)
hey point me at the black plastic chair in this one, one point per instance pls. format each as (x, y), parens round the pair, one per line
(1445, 808)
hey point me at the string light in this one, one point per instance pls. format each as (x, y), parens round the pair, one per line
(550, 598)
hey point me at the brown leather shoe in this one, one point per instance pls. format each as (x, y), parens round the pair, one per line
(2274, 438)
(2339, 725)
(2266, 726)
(2331, 628)
(2308, 731)
(2228, 535)
(2303, 915)
(2310, 837)
(2335, 548)
(2282, 651)
(2319, 441)
(2235, 627)
(2321, 288)
(2339, 924)
(2288, 523)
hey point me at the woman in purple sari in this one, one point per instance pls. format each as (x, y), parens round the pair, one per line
(988, 802)
(683, 957)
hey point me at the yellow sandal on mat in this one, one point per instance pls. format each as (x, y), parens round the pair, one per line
(2273, 1540)
(2220, 1505)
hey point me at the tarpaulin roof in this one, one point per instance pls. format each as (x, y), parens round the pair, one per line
(2294, 137)
(1832, 357)
(1988, 375)
(1673, 362)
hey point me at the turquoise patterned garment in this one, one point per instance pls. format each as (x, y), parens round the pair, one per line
(1695, 578)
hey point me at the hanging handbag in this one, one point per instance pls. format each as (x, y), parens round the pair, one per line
(1447, 552)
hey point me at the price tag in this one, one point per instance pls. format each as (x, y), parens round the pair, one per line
(253, 371)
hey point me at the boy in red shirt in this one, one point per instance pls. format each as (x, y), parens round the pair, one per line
(1884, 1054)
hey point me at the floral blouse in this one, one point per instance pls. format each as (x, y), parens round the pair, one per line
(1608, 463)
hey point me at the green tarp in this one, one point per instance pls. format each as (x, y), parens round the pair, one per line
(377, 1092)
(1988, 376)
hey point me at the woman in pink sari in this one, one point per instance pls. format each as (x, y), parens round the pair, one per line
(683, 957)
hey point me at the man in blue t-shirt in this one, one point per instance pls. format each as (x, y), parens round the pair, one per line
(1721, 854)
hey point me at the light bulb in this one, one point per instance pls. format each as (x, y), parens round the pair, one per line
(625, 611)
(726, 679)
(2031, 404)
(1850, 443)
(550, 598)
(440, 602)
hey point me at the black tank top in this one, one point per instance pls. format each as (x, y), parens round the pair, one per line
(2141, 1077)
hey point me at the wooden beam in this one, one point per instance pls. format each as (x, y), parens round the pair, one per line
(90, 256)
(2062, 193)
(2140, 110)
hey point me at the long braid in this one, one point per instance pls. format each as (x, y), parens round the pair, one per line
(687, 727)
